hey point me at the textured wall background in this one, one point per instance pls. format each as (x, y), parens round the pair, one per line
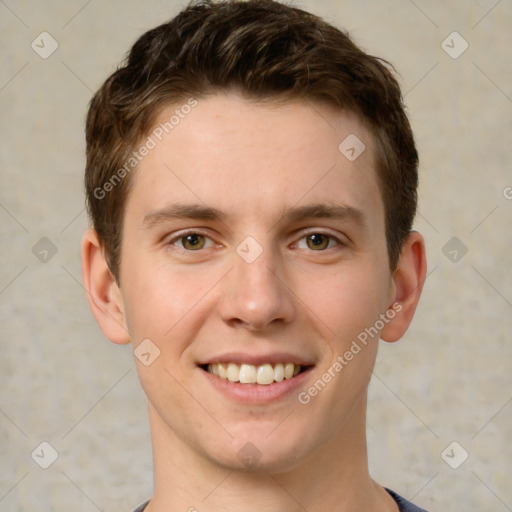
(448, 380)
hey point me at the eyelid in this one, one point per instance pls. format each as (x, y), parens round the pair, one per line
(178, 235)
(338, 237)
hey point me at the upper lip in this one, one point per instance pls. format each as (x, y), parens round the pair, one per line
(257, 359)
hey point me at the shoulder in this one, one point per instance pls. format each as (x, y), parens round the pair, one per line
(403, 504)
(141, 508)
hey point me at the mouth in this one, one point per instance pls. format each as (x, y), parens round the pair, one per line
(256, 379)
(263, 374)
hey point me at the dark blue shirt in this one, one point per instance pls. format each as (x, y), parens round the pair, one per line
(403, 504)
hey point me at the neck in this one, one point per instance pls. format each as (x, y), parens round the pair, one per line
(335, 477)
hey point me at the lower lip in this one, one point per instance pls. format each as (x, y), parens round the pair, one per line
(256, 393)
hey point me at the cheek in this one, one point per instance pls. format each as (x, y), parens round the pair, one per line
(348, 301)
(162, 300)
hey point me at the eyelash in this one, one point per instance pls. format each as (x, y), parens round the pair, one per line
(339, 243)
(181, 236)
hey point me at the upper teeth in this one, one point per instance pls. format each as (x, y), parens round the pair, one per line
(249, 374)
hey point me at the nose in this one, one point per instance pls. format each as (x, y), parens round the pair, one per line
(256, 296)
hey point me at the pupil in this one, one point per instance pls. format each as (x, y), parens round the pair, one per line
(318, 241)
(193, 241)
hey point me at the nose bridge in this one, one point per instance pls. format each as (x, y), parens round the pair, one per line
(255, 295)
(258, 275)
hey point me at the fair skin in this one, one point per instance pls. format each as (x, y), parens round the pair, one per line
(233, 169)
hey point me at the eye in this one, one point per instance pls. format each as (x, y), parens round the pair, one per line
(317, 242)
(192, 242)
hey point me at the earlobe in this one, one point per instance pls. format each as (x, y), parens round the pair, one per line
(103, 293)
(408, 282)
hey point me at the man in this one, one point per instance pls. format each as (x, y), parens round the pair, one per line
(251, 179)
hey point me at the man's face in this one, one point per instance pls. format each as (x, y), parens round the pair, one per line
(251, 240)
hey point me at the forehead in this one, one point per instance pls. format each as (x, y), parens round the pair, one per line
(240, 155)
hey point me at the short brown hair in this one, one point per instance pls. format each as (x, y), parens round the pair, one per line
(264, 50)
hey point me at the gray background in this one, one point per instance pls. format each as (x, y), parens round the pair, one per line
(447, 380)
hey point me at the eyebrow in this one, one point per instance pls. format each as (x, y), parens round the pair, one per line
(324, 211)
(293, 215)
(182, 211)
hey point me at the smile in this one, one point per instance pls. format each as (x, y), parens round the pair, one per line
(263, 374)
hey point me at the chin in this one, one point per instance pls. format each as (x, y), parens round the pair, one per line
(279, 452)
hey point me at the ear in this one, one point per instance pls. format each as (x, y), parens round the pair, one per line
(104, 295)
(408, 280)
